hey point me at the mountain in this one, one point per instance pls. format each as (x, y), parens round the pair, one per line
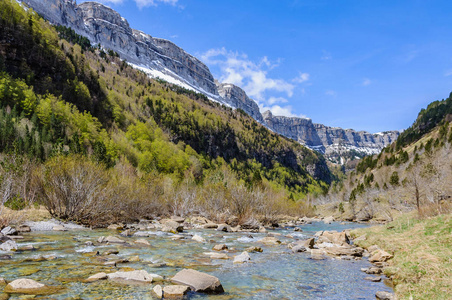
(338, 144)
(163, 59)
(413, 172)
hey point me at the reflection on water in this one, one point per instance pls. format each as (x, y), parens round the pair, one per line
(63, 259)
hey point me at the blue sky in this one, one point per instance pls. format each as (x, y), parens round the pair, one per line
(366, 65)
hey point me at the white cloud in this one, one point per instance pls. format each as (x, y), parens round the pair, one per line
(273, 100)
(281, 110)
(366, 81)
(238, 69)
(144, 3)
(331, 93)
(302, 77)
(448, 73)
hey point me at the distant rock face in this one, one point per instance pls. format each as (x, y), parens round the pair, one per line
(162, 58)
(329, 140)
(236, 97)
(102, 25)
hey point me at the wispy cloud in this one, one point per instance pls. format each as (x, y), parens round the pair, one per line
(366, 82)
(448, 73)
(253, 77)
(331, 93)
(302, 77)
(277, 110)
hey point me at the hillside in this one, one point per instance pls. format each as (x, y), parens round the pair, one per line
(412, 173)
(160, 58)
(64, 101)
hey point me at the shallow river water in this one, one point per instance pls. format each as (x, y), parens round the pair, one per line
(276, 273)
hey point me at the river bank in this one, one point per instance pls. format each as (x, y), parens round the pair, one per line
(421, 248)
(282, 270)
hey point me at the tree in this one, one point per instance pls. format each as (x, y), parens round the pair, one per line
(394, 179)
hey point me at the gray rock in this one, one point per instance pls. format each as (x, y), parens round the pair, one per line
(175, 291)
(253, 249)
(177, 219)
(22, 284)
(137, 276)
(373, 278)
(158, 291)
(9, 246)
(198, 238)
(242, 258)
(172, 226)
(224, 227)
(298, 248)
(385, 296)
(8, 230)
(59, 228)
(220, 247)
(96, 277)
(198, 281)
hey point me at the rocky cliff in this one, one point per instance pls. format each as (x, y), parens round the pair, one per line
(338, 144)
(162, 58)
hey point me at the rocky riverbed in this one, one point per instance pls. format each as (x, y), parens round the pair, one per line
(189, 258)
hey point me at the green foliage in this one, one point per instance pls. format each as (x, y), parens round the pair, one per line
(394, 179)
(427, 119)
(70, 35)
(16, 203)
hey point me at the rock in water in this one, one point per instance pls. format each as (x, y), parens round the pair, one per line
(137, 276)
(9, 246)
(224, 227)
(220, 247)
(96, 277)
(158, 291)
(175, 291)
(198, 281)
(8, 230)
(270, 240)
(24, 286)
(59, 228)
(242, 258)
(198, 238)
(385, 296)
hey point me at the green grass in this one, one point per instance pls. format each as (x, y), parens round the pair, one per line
(422, 249)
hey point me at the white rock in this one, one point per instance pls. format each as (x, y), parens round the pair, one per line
(242, 258)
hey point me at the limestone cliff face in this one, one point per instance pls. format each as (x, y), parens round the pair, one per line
(237, 98)
(331, 141)
(104, 26)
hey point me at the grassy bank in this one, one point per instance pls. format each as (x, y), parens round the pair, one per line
(422, 250)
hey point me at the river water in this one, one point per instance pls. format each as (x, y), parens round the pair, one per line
(276, 273)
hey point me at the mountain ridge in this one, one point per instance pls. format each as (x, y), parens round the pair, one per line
(164, 59)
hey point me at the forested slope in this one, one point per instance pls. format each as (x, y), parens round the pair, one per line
(62, 100)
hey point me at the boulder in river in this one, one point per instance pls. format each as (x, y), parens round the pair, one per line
(242, 258)
(224, 227)
(96, 277)
(142, 242)
(9, 245)
(253, 249)
(318, 254)
(116, 227)
(210, 226)
(158, 291)
(171, 226)
(328, 220)
(337, 238)
(2, 281)
(270, 240)
(198, 281)
(28, 286)
(198, 238)
(216, 255)
(8, 230)
(140, 276)
(298, 248)
(385, 296)
(59, 228)
(373, 278)
(111, 240)
(220, 247)
(175, 291)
